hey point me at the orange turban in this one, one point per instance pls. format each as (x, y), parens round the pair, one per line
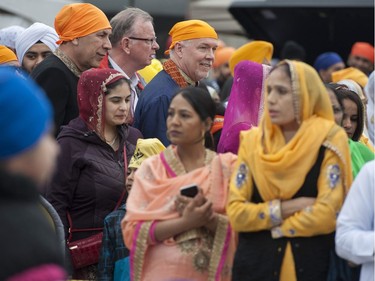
(190, 29)
(350, 73)
(255, 51)
(78, 20)
(6, 55)
(223, 55)
(363, 49)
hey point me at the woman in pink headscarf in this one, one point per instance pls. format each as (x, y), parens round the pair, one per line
(95, 150)
(245, 104)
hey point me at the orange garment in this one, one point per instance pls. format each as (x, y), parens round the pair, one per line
(78, 20)
(190, 29)
(6, 55)
(156, 183)
(255, 51)
(222, 56)
(350, 73)
(363, 49)
(218, 123)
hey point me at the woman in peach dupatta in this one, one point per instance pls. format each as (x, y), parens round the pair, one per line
(170, 236)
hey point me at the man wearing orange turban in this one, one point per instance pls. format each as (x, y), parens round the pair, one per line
(362, 57)
(220, 70)
(191, 57)
(83, 32)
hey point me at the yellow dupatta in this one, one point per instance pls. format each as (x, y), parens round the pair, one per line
(280, 168)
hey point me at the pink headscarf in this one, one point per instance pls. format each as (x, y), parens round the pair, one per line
(245, 104)
(92, 86)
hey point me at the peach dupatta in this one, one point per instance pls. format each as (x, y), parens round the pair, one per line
(196, 254)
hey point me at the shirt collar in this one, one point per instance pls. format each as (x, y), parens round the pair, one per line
(133, 80)
(188, 79)
(68, 62)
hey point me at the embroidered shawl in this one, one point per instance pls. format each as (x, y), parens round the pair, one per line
(155, 186)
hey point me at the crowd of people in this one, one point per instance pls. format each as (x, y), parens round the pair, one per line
(213, 163)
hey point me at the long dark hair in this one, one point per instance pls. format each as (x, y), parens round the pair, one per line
(342, 93)
(203, 105)
(333, 87)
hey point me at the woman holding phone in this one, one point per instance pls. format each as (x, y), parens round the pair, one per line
(173, 236)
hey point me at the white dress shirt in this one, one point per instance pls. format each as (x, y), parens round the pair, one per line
(355, 224)
(134, 82)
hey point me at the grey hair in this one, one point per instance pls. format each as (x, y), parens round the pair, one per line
(184, 42)
(123, 22)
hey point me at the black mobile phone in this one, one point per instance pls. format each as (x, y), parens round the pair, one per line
(189, 190)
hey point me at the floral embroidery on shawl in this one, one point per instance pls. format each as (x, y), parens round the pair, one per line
(328, 144)
(198, 243)
(241, 175)
(174, 165)
(333, 175)
(138, 250)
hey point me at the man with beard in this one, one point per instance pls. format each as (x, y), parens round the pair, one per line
(191, 57)
(83, 31)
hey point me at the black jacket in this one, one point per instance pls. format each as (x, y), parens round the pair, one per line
(60, 85)
(90, 176)
(27, 238)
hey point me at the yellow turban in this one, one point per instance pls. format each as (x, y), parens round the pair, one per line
(151, 70)
(350, 73)
(222, 56)
(6, 55)
(144, 149)
(190, 29)
(255, 51)
(78, 20)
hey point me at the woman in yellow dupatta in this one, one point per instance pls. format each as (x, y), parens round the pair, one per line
(290, 181)
(173, 237)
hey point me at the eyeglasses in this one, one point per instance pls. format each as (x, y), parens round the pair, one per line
(149, 41)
